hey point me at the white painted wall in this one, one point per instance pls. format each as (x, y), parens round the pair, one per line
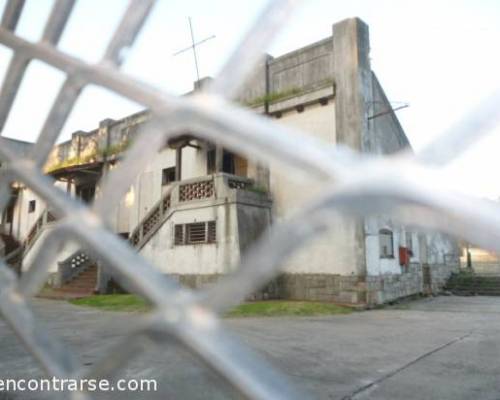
(334, 252)
(214, 258)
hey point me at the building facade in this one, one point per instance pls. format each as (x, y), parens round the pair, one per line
(196, 207)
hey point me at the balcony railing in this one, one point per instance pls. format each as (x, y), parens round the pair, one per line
(203, 188)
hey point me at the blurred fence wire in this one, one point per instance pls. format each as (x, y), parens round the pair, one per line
(406, 186)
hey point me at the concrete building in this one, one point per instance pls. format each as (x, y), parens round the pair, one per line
(196, 207)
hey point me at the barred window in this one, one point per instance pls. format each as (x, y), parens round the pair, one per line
(195, 233)
(179, 234)
(212, 233)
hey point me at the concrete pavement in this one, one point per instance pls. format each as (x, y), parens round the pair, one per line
(437, 348)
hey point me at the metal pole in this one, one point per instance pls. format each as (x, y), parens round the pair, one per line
(194, 50)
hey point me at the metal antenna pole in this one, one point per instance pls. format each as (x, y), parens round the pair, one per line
(194, 49)
(193, 46)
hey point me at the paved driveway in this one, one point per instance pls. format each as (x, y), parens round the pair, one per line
(439, 348)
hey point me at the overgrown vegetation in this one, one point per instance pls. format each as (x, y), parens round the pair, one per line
(115, 149)
(274, 308)
(273, 97)
(90, 157)
(114, 302)
(257, 189)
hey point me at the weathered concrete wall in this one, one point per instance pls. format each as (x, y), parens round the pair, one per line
(302, 70)
(233, 234)
(24, 220)
(288, 194)
(385, 134)
(19, 147)
(333, 253)
(214, 258)
(389, 287)
(308, 67)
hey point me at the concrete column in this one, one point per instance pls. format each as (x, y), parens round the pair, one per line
(68, 187)
(351, 46)
(351, 63)
(103, 279)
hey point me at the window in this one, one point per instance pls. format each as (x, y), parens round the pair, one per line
(409, 243)
(385, 243)
(211, 161)
(32, 206)
(178, 234)
(228, 165)
(168, 176)
(212, 234)
(195, 233)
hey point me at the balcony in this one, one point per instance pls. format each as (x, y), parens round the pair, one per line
(204, 191)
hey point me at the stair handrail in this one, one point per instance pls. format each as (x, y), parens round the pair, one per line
(43, 219)
(139, 236)
(204, 188)
(73, 266)
(160, 212)
(12, 254)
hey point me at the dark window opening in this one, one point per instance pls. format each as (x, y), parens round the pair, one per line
(10, 213)
(32, 206)
(211, 161)
(227, 162)
(168, 176)
(86, 193)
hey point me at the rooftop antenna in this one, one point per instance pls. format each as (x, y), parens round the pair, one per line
(193, 47)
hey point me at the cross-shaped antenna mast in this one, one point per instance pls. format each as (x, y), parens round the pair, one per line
(193, 47)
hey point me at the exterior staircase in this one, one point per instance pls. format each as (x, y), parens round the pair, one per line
(470, 284)
(13, 252)
(10, 243)
(81, 285)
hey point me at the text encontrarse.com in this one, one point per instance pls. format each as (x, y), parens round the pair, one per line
(71, 385)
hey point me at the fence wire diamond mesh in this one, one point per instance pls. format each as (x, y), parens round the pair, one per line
(405, 186)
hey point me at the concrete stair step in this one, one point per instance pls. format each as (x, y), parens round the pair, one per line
(84, 279)
(79, 286)
(68, 289)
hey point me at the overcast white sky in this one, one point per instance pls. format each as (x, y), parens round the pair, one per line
(442, 57)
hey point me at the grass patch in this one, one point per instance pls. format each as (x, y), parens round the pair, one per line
(113, 302)
(282, 308)
(275, 308)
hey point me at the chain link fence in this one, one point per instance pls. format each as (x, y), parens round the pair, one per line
(406, 186)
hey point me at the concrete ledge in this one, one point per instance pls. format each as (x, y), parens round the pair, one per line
(303, 99)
